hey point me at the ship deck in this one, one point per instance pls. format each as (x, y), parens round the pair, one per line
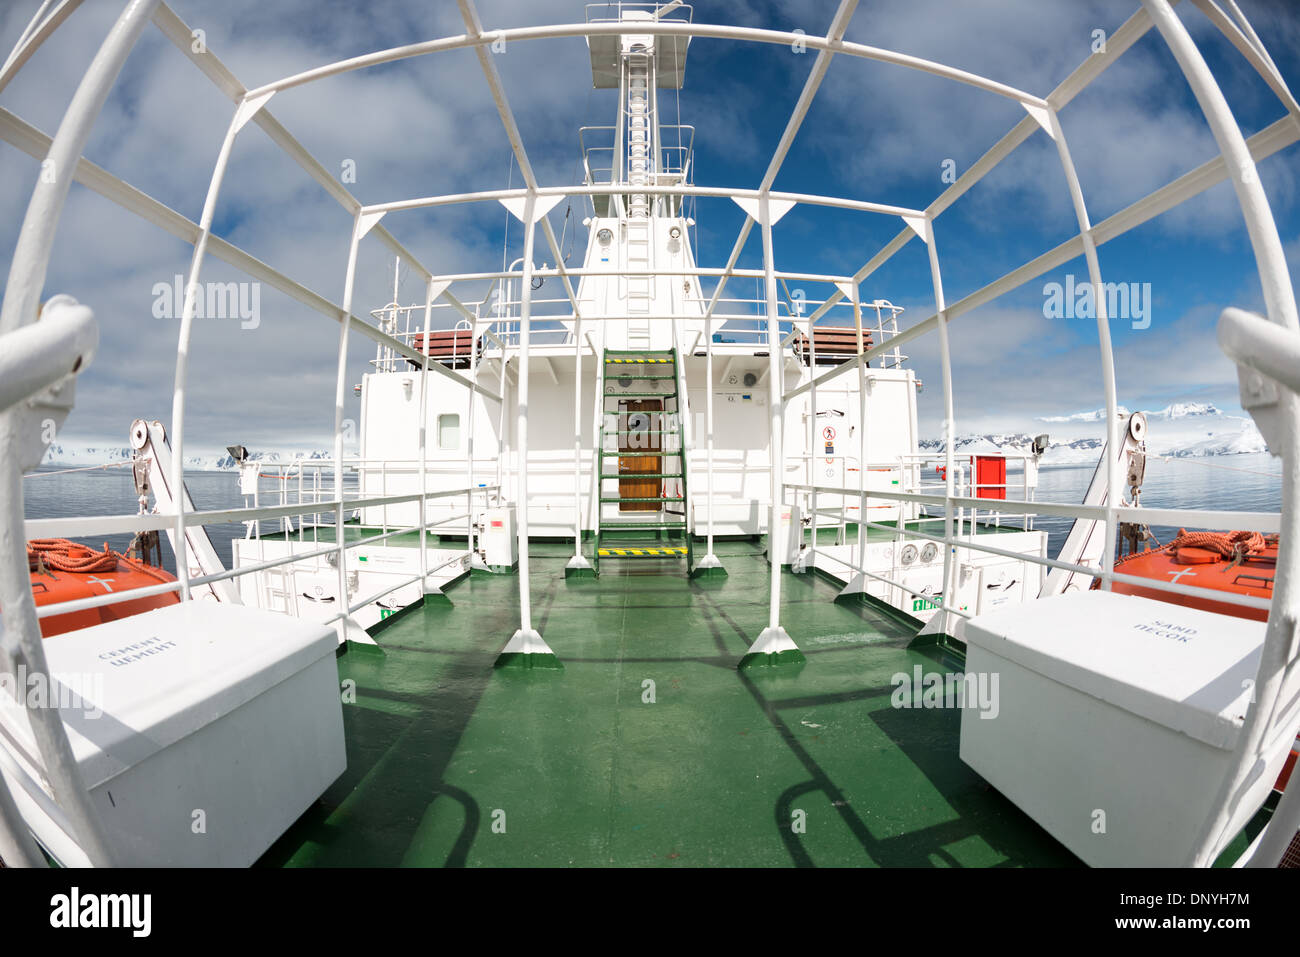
(453, 762)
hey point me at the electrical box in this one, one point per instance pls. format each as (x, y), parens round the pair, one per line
(500, 539)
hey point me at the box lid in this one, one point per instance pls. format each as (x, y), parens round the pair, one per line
(128, 689)
(1189, 670)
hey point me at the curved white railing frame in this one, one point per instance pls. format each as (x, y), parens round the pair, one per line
(1280, 637)
(22, 646)
(1236, 162)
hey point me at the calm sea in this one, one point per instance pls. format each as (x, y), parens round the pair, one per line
(50, 493)
(1237, 482)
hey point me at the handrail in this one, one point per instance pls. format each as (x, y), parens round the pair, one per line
(160, 521)
(27, 276)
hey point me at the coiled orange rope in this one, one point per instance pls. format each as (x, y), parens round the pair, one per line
(64, 555)
(1228, 544)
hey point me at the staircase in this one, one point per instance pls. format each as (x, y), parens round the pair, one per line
(642, 498)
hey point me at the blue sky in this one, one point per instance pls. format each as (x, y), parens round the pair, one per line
(875, 132)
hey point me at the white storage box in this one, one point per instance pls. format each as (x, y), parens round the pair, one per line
(1115, 721)
(202, 731)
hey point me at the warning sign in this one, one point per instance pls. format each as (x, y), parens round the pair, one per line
(828, 433)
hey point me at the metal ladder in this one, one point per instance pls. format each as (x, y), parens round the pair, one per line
(669, 535)
(638, 287)
(280, 587)
(640, 167)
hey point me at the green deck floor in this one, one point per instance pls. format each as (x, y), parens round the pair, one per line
(453, 762)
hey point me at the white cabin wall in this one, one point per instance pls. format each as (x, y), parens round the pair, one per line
(742, 479)
(550, 441)
(601, 296)
(391, 429)
(891, 434)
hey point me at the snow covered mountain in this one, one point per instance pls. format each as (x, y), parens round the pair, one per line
(74, 455)
(1181, 429)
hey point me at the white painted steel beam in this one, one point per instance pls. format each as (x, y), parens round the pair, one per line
(1280, 651)
(661, 28)
(36, 144)
(1273, 138)
(21, 644)
(180, 35)
(1116, 45)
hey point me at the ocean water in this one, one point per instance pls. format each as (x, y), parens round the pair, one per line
(1243, 483)
(1234, 482)
(52, 493)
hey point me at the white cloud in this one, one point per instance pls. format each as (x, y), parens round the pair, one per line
(428, 125)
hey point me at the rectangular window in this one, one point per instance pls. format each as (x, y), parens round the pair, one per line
(449, 431)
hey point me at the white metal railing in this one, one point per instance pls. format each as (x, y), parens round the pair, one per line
(733, 327)
(90, 526)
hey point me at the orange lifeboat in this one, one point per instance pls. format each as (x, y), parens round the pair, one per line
(1241, 563)
(61, 570)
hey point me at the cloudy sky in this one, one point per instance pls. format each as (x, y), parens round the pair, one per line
(427, 126)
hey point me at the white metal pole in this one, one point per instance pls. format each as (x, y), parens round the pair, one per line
(424, 437)
(578, 564)
(862, 434)
(773, 645)
(502, 443)
(776, 423)
(1114, 433)
(577, 436)
(525, 647)
(469, 440)
(709, 564)
(950, 432)
(21, 641)
(521, 406)
(812, 440)
(1278, 654)
(708, 411)
(340, 393)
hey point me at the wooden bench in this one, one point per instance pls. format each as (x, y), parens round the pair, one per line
(451, 347)
(835, 344)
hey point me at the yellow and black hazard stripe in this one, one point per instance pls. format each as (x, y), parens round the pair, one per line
(638, 552)
(638, 361)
